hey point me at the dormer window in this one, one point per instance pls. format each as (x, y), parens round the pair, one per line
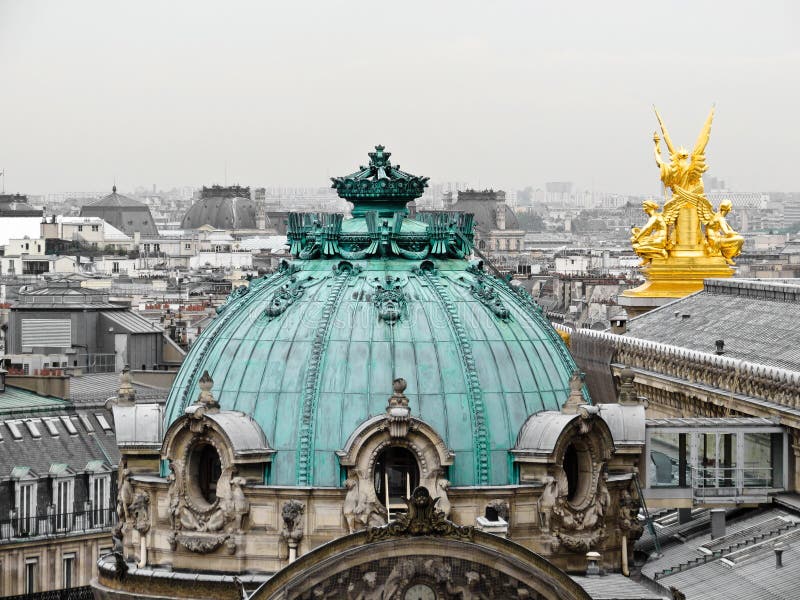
(24, 513)
(99, 492)
(63, 495)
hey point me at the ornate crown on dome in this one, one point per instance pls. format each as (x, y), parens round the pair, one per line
(380, 226)
(379, 186)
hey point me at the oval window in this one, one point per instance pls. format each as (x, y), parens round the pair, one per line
(205, 469)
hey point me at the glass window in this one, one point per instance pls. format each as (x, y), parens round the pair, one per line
(396, 475)
(68, 571)
(31, 576)
(664, 459)
(62, 490)
(100, 497)
(717, 453)
(757, 460)
(26, 508)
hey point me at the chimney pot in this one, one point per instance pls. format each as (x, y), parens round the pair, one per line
(592, 564)
(779, 548)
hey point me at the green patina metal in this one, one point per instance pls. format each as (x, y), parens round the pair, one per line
(310, 351)
(477, 410)
(380, 186)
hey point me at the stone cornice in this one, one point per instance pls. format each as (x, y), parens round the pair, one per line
(778, 385)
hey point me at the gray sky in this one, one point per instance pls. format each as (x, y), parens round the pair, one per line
(502, 94)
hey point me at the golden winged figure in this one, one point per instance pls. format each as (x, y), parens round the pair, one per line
(683, 173)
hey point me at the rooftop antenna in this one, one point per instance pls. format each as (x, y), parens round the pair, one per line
(226, 173)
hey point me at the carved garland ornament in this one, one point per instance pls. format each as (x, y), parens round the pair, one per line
(422, 518)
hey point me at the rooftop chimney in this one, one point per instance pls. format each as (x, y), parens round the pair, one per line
(779, 548)
(592, 564)
(717, 523)
(720, 346)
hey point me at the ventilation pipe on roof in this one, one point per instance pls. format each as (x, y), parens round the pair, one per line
(779, 548)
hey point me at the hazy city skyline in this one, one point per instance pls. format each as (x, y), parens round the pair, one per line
(501, 95)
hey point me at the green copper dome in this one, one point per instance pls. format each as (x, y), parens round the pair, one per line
(311, 350)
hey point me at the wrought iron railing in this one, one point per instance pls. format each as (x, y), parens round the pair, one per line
(57, 524)
(76, 593)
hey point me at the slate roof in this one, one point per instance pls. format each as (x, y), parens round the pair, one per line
(745, 568)
(756, 319)
(101, 386)
(64, 441)
(616, 587)
(221, 213)
(125, 214)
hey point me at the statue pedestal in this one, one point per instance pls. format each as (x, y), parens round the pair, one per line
(671, 278)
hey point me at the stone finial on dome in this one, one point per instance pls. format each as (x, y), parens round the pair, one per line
(206, 398)
(575, 400)
(126, 394)
(397, 411)
(627, 393)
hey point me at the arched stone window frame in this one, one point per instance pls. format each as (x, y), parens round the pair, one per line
(545, 437)
(592, 436)
(362, 449)
(196, 523)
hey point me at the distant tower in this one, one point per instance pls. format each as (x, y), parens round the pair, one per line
(260, 198)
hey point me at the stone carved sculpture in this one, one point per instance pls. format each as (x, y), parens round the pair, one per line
(361, 508)
(578, 529)
(240, 506)
(292, 530)
(628, 520)
(175, 494)
(422, 518)
(204, 531)
(399, 577)
(139, 511)
(126, 394)
(471, 589)
(547, 502)
(438, 574)
(397, 411)
(443, 502)
(125, 496)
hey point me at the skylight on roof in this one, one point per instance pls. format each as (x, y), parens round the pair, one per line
(51, 426)
(34, 430)
(86, 423)
(103, 422)
(69, 425)
(13, 426)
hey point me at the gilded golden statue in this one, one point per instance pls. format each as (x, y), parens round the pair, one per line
(687, 241)
(650, 241)
(721, 239)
